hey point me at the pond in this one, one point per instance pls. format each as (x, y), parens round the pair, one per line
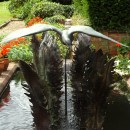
(15, 113)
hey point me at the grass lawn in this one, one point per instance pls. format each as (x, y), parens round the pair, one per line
(4, 12)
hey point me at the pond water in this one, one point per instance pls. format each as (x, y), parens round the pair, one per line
(15, 112)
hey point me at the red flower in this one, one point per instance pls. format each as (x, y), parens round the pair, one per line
(118, 45)
(6, 48)
(34, 20)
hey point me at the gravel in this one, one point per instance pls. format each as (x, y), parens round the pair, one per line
(12, 26)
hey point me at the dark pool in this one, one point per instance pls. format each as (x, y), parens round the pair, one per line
(15, 112)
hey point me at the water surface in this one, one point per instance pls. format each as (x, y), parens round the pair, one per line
(16, 112)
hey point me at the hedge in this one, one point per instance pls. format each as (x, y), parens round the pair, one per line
(112, 15)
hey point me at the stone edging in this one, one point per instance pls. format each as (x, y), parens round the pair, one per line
(7, 75)
(6, 23)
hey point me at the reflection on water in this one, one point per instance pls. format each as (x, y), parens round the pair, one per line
(16, 112)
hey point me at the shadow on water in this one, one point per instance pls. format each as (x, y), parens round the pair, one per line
(118, 114)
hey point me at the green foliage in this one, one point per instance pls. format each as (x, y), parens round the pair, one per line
(81, 7)
(78, 19)
(63, 49)
(122, 65)
(4, 12)
(55, 19)
(46, 9)
(124, 50)
(68, 10)
(109, 15)
(16, 7)
(22, 8)
(21, 52)
(28, 9)
(49, 9)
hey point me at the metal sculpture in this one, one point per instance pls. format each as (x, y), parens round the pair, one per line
(65, 35)
(45, 78)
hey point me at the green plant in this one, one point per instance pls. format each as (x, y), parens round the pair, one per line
(23, 51)
(49, 9)
(78, 19)
(109, 15)
(63, 49)
(122, 65)
(16, 6)
(81, 7)
(55, 19)
(121, 49)
(4, 12)
(68, 10)
(22, 8)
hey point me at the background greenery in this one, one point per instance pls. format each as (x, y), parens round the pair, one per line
(81, 7)
(109, 15)
(4, 12)
(112, 15)
(28, 9)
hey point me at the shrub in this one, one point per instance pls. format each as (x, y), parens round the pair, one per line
(23, 51)
(81, 7)
(109, 15)
(55, 19)
(68, 10)
(22, 8)
(28, 9)
(49, 9)
(16, 6)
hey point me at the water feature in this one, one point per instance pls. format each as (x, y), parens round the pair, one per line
(91, 78)
(15, 114)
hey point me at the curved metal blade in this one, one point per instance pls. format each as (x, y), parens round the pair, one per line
(91, 32)
(37, 28)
